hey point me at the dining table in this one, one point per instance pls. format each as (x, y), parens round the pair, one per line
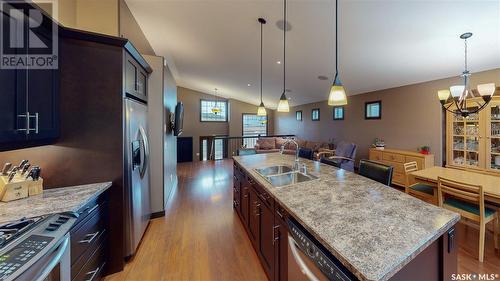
(490, 183)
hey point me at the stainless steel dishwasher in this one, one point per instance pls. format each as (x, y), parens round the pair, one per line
(309, 260)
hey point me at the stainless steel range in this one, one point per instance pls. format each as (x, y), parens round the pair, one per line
(36, 248)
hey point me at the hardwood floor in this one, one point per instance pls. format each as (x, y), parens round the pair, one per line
(201, 238)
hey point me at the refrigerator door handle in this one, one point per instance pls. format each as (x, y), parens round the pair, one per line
(145, 142)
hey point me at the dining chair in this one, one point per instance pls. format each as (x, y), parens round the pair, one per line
(420, 190)
(376, 171)
(306, 153)
(468, 201)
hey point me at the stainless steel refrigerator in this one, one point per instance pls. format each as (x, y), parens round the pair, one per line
(137, 189)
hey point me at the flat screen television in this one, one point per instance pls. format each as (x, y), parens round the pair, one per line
(179, 119)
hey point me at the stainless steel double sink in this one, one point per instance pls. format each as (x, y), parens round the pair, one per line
(282, 175)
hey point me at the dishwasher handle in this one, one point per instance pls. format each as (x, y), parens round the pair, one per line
(300, 262)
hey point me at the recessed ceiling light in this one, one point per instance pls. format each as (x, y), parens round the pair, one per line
(249, 84)
(278, 62)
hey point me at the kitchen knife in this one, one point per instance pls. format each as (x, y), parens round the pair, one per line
(23, 162)
(12, 174)
(36, 173)
(25, 169)
(6, 168)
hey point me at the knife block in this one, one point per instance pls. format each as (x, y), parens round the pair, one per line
(16, 189)
(35, 187)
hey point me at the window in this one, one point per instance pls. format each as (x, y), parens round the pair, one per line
(298, 115)
(206, 113)
(315, 114)
(338, 113)
(253, 125)
(373, 110)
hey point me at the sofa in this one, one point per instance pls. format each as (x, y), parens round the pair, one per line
(273, 144)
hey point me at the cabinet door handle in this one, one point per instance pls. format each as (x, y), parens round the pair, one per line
(92, 273)
(28, 117)
(274, 234)
(279, 214)
(92, 237)
(256, 211)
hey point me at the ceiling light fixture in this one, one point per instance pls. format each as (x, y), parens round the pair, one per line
(261, 111)
(337, 91)
(216, 109)
(278, 62)
(249, 85)
(460, 95)
(283, 105)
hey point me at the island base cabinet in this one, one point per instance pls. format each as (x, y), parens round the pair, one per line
(437, 262)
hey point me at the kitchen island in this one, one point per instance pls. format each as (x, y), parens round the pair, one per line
(374, 231)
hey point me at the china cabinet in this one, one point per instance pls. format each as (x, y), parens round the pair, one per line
(473, 142)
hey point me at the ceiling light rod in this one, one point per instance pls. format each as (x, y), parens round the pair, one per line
(460, 93)
(337, 95)
(283, 105)
(215, 109)
(261, 111)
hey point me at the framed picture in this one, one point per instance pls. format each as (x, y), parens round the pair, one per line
(338, 113)
(298, 115)
(373, 110)
(315, 114)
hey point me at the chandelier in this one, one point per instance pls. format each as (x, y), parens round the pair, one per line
(461, 96)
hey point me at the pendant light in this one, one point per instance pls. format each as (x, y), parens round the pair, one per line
(283, 105)
(215, 109)
(337, 95)
(261, 111)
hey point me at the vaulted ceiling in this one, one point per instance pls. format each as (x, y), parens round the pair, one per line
(382, 43)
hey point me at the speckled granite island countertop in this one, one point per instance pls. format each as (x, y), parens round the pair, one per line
(372, 229)
(51, 201)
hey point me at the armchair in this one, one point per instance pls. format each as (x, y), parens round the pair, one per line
(345, 154)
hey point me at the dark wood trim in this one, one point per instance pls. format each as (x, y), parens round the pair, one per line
(319, 114)
(366, 112)
(343, 113)
(157, 214)
(301, 115)
(227, 111)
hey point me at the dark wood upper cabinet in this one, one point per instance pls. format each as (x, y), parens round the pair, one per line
(135, 78)
(29, 98)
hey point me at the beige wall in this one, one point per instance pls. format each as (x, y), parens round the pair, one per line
(99, 16)
(130, 29)
(411, 117)
(194, 128)
(110, 17)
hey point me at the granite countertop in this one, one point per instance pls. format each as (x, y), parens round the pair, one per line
(51, 201)
(372, 229)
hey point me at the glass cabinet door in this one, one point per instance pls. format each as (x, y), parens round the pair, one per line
(493, 137)
(467, 137)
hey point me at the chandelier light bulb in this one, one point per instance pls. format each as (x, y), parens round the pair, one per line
(486, 89)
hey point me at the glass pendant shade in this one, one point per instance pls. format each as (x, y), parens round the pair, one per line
(443, 95)
(261, 111)
(283, 105)
(337, 95)
(486, 89)
(457, 90)
(215, 110)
